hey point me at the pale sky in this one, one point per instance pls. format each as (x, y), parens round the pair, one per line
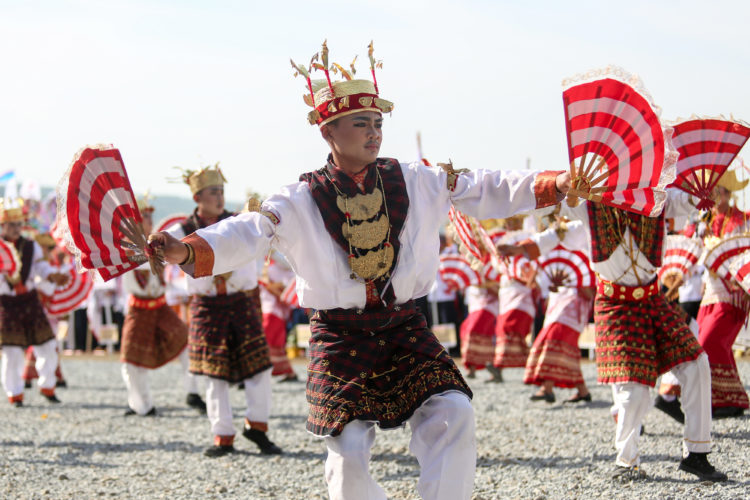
(194, 82)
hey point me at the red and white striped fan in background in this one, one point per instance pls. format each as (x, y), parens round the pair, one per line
(457, 273)
(98, 214)
(10, 263)
(490, 273)
(618, 153)
(170, 221)
(68, 297)
(565, 267)
(719, 257)
(289, 295)
(516, 267)
(466, 229)
(707, 146)
(680, 255)
(740, 269)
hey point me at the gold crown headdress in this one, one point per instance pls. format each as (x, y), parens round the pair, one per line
(332, 100)
(207, 176)
(12, 210)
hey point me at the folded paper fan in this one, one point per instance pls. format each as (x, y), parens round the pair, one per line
(473, 240)
(70, 296)
(707, 146)
(565, 267)
(680, 255)
(618, 153)
(490, 273)
(10, 263)
(719, 257)
(170, 221)
(517, 267)
(289, 295)
(457, 273)
(98, 215)
(740, 269)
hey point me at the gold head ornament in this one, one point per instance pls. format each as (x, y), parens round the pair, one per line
(202, 178)
(12, 210)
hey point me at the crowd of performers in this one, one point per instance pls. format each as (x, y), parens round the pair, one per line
(361, 238)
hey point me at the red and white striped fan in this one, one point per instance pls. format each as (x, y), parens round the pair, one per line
(98, 213)
(466, 229)
(707, 146)
(170, 221)
(619, 155)
(10, 263)
(71, 295)
(719, 257)
(496, 234)
(565, 267)
(516, 267)
(490, 273)
(740, 269)
(680, 255)
(289, 295)
(456, 272)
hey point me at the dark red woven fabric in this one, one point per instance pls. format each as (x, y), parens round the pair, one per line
(609, 223)
(152, 337)
(194, 222)
(22, 320)
(378, 365)
(637, 341)
(397, 199)
(719, 324)
(226, 337)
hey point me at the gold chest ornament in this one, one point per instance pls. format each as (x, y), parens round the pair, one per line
(366, 235)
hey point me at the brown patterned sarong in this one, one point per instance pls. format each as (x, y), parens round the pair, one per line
(376, 365)
(636, 341)
(152, 337)
(226, 336)
(22, 320)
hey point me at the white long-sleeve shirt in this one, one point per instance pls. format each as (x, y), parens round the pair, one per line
(244, 276)
(321, 265)
(618, 267)
(152, 289)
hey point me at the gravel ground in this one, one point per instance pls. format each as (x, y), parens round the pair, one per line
(86, 448)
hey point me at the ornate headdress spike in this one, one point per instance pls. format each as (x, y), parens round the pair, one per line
(145, 203)
(324, 66)
(301, 70)
(373, 64)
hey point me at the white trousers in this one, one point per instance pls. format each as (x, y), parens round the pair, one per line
(442, 439)
(632, 401)
(139, 388)
(13, 360)
(219, 408)
(189, 380)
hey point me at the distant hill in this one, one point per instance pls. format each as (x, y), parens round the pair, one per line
(166, 205)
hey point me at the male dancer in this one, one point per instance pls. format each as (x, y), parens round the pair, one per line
(226, 342)
(22, 319)
(152, 334)
(361, 234)
(640, 335)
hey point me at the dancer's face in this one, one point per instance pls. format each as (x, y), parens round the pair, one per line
(355, 139)
(11, 230)
(210, 201)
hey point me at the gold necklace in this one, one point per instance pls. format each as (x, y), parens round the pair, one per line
(366, 235)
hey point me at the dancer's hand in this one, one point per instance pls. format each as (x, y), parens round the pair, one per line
(562, 182)
(174, 250)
